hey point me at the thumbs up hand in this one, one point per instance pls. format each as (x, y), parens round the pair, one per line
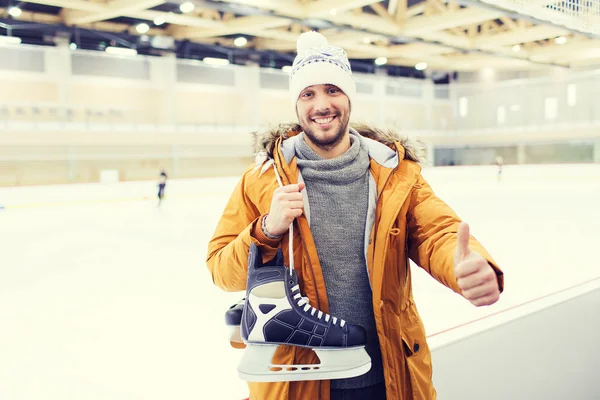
(474, 275)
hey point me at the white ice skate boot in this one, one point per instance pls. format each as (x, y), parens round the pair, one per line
(276, 313)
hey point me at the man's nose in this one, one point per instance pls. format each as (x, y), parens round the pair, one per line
(322, 104)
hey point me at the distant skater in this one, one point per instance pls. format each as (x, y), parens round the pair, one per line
(499, 163)
(162, 183)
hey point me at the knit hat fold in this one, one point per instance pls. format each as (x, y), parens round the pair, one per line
(319, 63)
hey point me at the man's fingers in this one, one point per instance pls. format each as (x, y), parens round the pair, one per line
(301, 186)
(294, 212)
(469, 266)
(486, 300)
(472, 266)
(462, 244)
(296, 187)
(292, 196)
(478, 278)
(481, 290)
(296, 204)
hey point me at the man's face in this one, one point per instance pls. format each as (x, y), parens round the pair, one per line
(323, 113)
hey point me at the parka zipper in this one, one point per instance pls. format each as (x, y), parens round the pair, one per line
(385, 248)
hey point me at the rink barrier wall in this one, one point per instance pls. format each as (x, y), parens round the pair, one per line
(545, 348)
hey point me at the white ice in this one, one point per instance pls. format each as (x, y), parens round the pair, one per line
(105, 296)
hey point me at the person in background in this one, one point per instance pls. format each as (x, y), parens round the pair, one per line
(499, 163)
(162, 183)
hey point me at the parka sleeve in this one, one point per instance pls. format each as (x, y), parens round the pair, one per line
(227, 255)
(432, 236)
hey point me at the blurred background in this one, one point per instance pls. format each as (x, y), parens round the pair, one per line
(135, 86)
(104, 291)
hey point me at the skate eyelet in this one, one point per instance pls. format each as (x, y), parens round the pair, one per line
(291, 282)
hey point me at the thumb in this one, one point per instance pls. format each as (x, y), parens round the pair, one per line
(462, 243)
(301, 186)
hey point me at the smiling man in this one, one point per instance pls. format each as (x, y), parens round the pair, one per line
(361, 209)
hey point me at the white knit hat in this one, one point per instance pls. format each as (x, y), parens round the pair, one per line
(319, 63)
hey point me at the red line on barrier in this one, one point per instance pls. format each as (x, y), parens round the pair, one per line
(513, 307)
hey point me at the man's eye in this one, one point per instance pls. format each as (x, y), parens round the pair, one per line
(334, 90)
(306, 94)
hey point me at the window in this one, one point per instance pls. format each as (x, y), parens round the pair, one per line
(463, 106)
(551, 108)
(571, 94)
(501, 115)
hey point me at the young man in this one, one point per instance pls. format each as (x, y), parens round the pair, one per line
(360, 208)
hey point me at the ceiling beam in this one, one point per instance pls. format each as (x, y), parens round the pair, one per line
(463, 42)
(392, 7)
(248, 25)
(424, 24)
(114, 9)
(148, 15)
(509, 23)
(380, 10)
(370, 22)
(539, 32)
(80, 5)
(288, 8)
(29, 16)
(572, 50)
(401, 12)
(438, 5)
(417, 9)
(176, 19)
(321, 7)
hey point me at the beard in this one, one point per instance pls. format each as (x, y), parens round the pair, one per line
(326, 142)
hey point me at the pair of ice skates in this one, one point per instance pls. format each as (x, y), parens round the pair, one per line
(274, 312)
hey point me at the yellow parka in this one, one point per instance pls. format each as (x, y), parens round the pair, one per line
(407, 220)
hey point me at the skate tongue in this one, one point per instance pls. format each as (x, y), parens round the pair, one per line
(277, 261)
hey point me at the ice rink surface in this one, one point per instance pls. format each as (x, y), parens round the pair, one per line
(105, 296)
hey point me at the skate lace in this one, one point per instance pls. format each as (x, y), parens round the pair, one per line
(303, 301)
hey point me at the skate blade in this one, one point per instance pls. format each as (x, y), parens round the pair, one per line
(304, 375)
(256, 365)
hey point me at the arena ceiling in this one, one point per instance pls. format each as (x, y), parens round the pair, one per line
(446, 35)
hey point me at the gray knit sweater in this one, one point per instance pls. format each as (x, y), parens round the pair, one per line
(338, 195)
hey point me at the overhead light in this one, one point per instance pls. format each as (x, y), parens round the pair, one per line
(73, 46)
(158, 21)
(381, 61)
(333, 11)
(240, 41)
(15, 12)
(367, 40)
(187, 7)
(287, 68)
(560, 40)
(215, 61)
(121, 51)
(516, 47)
(421, 66)
(142, 28)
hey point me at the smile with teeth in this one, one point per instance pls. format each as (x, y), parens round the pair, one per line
(324, 120)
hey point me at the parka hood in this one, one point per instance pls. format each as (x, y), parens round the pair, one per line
(264, 140)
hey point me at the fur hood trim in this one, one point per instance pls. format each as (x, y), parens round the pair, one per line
(264, 140)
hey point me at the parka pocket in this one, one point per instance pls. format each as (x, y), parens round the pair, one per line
(418, 356)
(411, 346)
